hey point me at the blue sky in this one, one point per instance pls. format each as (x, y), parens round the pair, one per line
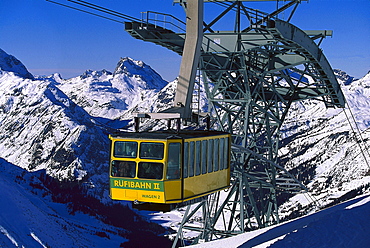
(48, 38)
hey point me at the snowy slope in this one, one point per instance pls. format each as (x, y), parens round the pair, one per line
(328, 149)
(31, 217)
(341, 226)
(29, 220)
(41, 128)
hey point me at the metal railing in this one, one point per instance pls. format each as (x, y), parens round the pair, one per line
(166, 21)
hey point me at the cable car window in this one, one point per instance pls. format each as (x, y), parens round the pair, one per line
(226, 152)
(204, 156)
(149, 170)
(151, 150)
(191, 159)
(222, 155)
(186, 159)
(210, 155)
(173, 166)
(197, 160)
(125, 149)
(215, 155)
(123, 169)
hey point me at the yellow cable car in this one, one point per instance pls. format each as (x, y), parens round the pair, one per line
(167, 169)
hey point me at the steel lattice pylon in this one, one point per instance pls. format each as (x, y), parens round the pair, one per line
(252, 74)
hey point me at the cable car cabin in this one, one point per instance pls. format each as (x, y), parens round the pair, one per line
(168, 169)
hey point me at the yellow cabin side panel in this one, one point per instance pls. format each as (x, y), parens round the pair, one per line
(137, 195)
(118, 194)
(197, 185)
(128, 189)
(173, 190)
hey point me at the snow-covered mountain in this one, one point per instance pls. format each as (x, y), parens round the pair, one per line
(54, 124)
(62, 153)
(328, 149)
(41, 128)
(109, 95)
(10, 63)
(54, 145)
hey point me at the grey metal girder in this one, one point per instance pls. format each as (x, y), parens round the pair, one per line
(190, 56)
(251, 77)
(288, 34)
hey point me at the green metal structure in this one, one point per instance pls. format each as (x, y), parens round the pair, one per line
(252, 73)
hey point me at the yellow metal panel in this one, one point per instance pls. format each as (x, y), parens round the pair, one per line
(118, 194)
(139, 195)
(150, 196)
(131, 194)
(172, 190)
(129, 189)
(198, 185)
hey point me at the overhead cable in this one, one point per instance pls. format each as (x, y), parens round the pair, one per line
(362, 150)
(104, 10)
(97, 8)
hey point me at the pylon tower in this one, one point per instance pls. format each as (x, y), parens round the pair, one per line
(252, 72)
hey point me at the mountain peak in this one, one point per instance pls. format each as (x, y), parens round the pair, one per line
(129, 65)
(91, 73)
(343, 77)
(12, 64)
(140, 71)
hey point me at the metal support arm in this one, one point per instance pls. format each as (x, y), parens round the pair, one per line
(190, 57)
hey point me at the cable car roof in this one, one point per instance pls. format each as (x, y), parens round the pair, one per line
(167, 134)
